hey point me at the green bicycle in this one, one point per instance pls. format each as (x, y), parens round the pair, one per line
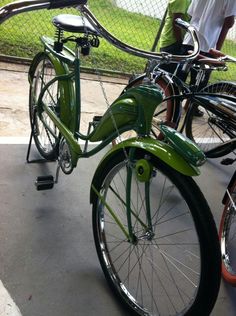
(154, 233)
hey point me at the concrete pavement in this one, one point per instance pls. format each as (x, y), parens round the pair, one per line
(48, 261)
(14, 91)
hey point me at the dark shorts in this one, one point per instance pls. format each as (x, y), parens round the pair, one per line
(174, 49)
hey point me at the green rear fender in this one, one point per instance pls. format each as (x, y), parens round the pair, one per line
(67, 107)
(156, 148)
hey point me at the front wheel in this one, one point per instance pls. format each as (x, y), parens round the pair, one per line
(171, 266)
(227, 235)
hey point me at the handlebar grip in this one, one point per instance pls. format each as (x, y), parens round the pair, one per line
(181, 23)
(56, 4)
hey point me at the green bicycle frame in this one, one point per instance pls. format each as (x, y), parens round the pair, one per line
(132, 110)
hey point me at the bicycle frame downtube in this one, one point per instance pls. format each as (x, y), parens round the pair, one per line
(69, 136)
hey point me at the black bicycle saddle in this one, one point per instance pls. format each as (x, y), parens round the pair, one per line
(74, 24)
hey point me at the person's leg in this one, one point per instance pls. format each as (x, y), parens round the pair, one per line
(207, 73)
(193, 79)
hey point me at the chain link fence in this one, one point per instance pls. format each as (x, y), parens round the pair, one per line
(135, 22)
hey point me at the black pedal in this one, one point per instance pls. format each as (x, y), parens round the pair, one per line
(227, 161)
(96, 118)
(44, 183)
(94, 123)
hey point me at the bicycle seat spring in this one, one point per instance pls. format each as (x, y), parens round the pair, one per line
(58, 43)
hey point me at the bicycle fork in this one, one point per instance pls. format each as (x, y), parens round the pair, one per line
(142, 171)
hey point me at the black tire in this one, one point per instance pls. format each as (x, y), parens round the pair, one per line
(209, 130)
(227, 234)
(46, 138)
(176, 270)
(168, 112)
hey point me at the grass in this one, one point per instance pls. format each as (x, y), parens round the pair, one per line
(19, 36)
(230, 49)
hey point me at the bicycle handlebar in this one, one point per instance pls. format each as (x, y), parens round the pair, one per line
(21, 6)
(227, 59)
(220, 56)
(17, 7)
(139, 52)
(55, 4)
(183, 24)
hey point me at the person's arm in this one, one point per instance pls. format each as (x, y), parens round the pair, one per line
(228, 23)
(177, 30)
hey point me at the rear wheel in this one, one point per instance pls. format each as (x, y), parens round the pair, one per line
(172, 265)
(45, 133)
(211, 130)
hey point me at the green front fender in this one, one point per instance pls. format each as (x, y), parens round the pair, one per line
(157, 148)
